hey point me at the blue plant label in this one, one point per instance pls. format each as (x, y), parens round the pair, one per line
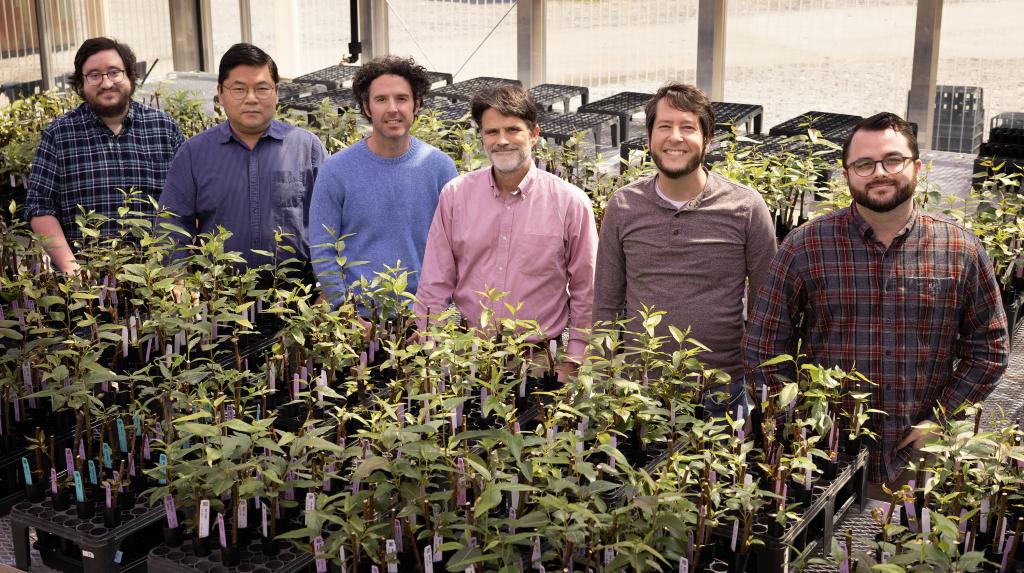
(108, 460)
(79, 490)
(28, 471)
(122, 436)
(137, 420)
(118, 556)
(257, 412)
(92, 472)
(163, 471)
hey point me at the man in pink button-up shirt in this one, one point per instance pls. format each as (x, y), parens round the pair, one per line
(513, 228)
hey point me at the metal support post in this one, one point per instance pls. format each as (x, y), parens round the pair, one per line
(45, 57)
(921, 100)
(245, 20)
(531, 40)
(711, 48)
(373, 27)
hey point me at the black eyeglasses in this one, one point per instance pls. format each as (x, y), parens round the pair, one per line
(891, 164)
(96, 78)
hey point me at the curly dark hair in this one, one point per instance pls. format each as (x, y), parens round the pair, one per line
(94, 46)
(406, 68)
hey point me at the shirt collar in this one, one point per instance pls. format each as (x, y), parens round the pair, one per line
(276, 130)
(867, 232)
(125, 123)
(524, 186)
(692, 204)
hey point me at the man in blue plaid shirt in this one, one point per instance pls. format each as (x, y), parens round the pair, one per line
(89, 157)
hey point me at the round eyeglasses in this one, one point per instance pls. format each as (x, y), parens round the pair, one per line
(96, 78)
(892, 164)
(263, 92)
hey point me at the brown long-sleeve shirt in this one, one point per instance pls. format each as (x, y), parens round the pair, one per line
(692, 262)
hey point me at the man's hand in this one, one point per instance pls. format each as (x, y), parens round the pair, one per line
(565, 369)
(916, 437)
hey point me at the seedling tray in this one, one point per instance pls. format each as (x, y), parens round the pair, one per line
(831, 125)
(622, 105)
(164, 559)
(545, 95)
(331, 77)
(100, 546)
(341, 99)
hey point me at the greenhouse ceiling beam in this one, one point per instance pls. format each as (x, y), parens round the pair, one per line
(711, 48)
(921, 100)
(531, 42)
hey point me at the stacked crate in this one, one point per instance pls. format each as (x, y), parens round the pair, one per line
(959, 119)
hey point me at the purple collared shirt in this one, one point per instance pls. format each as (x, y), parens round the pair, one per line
(216, 180)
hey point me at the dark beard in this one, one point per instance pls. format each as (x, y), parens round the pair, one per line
(683, 171)
(903, 193)
(110, 110)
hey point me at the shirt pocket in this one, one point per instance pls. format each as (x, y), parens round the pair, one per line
(288, 189)
(539, 255)
(931, 307)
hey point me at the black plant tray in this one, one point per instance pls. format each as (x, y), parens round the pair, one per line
(139, 530)
(829, 504)
(164, 559)
(831, 125)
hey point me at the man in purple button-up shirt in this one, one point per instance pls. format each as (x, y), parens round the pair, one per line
(251, 174)
(513, 228)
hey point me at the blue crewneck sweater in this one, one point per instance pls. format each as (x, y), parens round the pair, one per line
(385, 203)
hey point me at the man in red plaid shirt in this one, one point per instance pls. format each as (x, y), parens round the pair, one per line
(906, 297)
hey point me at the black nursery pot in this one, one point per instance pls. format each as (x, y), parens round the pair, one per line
(229, 556)
(174, 536)
(111, 517)
(85, 509)
(35, 492)
(201, 546)
(738, 562)
(270, 546)
(62, 499)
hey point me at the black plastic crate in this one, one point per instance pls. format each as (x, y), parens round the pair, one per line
(737, 114)
(163, 559)
(446, 109)
(831, 125)
(101, 549)
(958, 100)
(1011, 119)
(331, 77)
(464, 90)
(622, 105)
(292, 90)
(561, 126)
(341, 99)
(638, 143)
(545, 95)
(1010, 135)
(1009, 150)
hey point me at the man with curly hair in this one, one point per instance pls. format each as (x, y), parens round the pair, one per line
(90, 155)
(379, 194)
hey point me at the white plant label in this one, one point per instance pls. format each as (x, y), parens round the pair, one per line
(926, 523)
(436, 548)
(204, 518)
(318, 548)
(243, 514)
(392, 556)
(984, 515)
(428, 559)
(609, 554)
(735, 534)
(310, 506)
(684, 565)
(124, 341)
(263, 519)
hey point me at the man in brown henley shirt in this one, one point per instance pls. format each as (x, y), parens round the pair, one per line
(685, 241)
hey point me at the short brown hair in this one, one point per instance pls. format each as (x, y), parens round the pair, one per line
(683, 97)
(881, 122)
(406, 68)
(94, 46)
(506, 99)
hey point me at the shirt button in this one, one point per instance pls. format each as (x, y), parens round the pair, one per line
(501, 268)
(507, 207)
(504, 238)
(676, 232)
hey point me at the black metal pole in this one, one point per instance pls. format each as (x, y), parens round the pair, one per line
(354, 47)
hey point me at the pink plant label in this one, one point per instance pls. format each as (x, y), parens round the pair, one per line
(172, 514)
(69, 459)
(220, 530)
(53, 480)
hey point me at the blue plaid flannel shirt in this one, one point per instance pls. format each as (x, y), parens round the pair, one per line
(81, 163)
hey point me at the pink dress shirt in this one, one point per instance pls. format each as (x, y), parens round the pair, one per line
(538, 244)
